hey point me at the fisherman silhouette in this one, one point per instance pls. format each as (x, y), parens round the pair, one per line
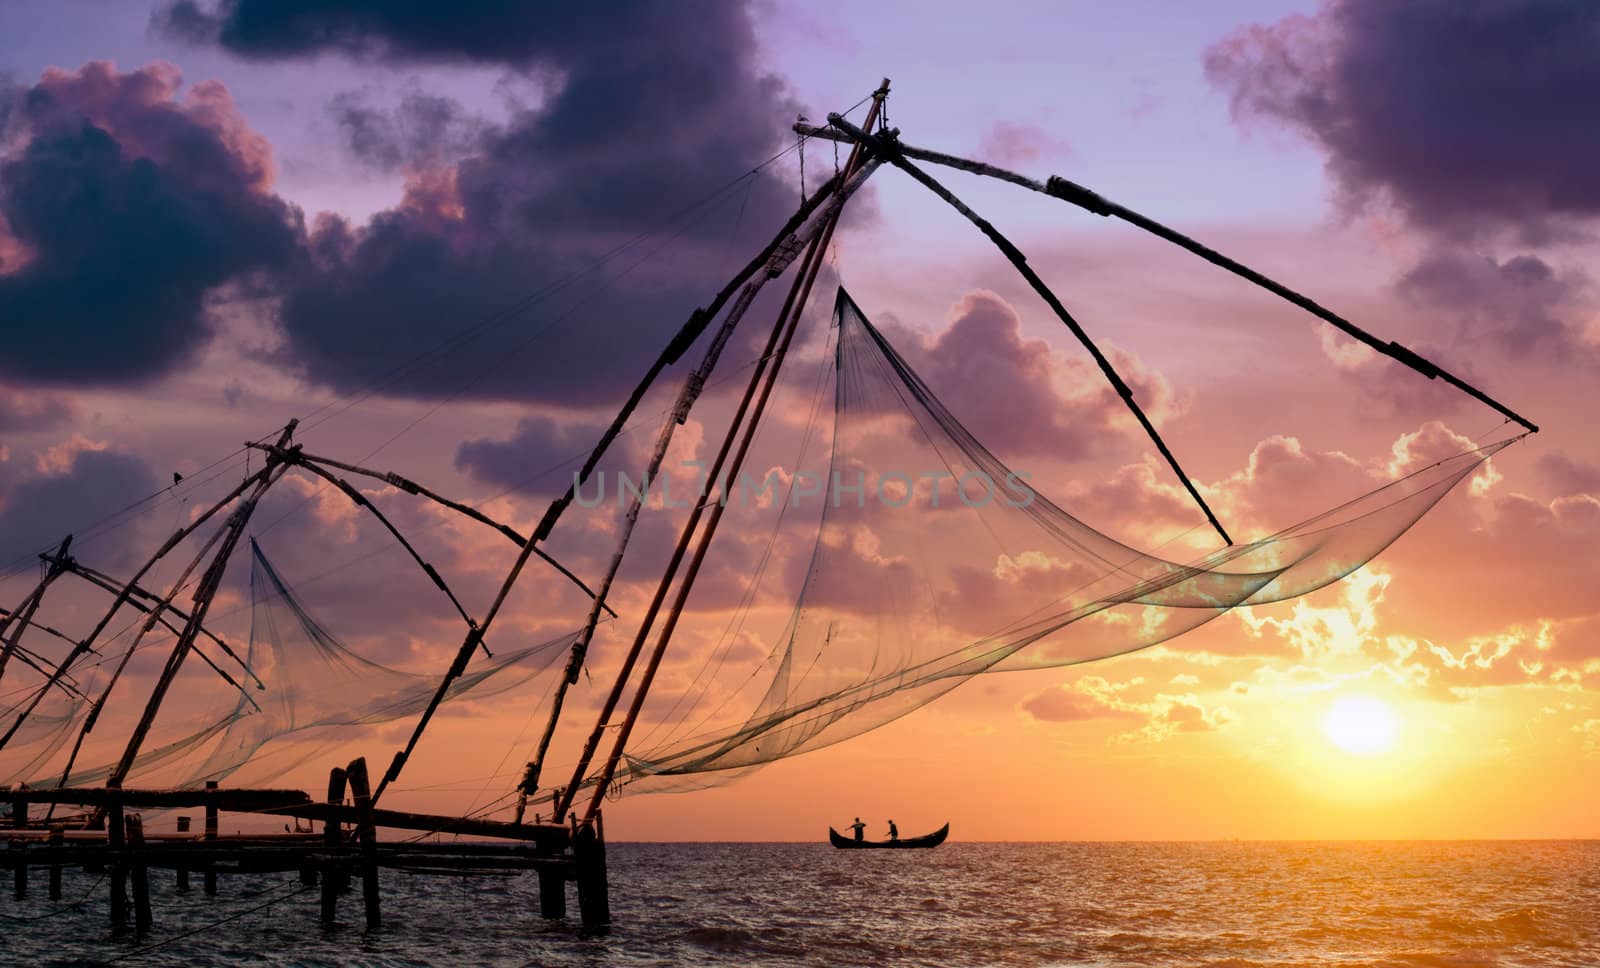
(860, 829)
(894, 832)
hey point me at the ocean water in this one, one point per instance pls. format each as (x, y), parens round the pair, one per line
(1224, 905)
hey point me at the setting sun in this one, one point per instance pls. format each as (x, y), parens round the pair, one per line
(1361, 725)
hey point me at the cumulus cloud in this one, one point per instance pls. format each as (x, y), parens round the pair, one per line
(537, 200)
(125, 206)
(1522, 304)
(1094, 697)
(987, 373)
(79, 483)
(1463, 116)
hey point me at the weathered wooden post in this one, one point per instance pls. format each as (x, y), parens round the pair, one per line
(141, 873)
(211, 834)
(58, 836)
(19, 869)
(589, 856)
(333, 880)
(115, 840)
(183, 871)
(553, 892)
(19, 820)
(361, 793)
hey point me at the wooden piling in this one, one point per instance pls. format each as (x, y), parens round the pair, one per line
(140, 872)
(211, 834)
(57, 837)
(116, 840)
(552, 893)
(183, 872)
(333, 880)
(361, 793)
(589, 854)
(19, 870)
(19, 810)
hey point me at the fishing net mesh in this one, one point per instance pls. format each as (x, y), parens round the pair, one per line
(935, 562)
(312, 690)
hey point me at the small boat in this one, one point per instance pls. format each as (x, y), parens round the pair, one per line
(926, 840)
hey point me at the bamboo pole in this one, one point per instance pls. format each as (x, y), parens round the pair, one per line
(302, 459)
(1069, 191)
(204, 594)
(788, 321)
(886, 146)
(22, 615)
(692, 386)
(777, 254)
(86, 645)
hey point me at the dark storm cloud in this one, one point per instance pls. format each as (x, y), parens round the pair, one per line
(39, 510)
(500, 31)
(649, 108)
(1465, 115)
(530, 460)
(123, 210)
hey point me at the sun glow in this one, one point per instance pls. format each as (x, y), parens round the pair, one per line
(1361, 725)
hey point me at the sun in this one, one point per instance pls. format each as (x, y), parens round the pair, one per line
(1361, 725)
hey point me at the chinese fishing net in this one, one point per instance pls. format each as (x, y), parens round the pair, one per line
(311, 687)
(919, 581)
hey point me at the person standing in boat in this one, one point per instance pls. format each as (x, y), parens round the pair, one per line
(894, 832)
(860, 829)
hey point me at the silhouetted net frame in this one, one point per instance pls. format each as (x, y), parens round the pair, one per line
(888, 621)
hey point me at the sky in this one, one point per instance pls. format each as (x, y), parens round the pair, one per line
(449, 239)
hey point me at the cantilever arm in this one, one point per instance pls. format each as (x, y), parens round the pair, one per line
(887, 148)
(136, 602)
(113, 586)
(310, 462)
(1068, 191)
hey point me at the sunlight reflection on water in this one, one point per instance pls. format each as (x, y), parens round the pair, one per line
(1219, 904)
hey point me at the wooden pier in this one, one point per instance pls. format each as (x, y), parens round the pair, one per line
(112, 836)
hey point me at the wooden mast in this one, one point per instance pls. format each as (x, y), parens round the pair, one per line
(777, 255)
(204, 595)
(787, 322)
(22, 615)
(840, 187)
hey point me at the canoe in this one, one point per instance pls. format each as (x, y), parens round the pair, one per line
(926, 840)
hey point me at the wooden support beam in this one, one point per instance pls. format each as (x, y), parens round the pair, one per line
(139, 872)
(361, 793)
(334, 879)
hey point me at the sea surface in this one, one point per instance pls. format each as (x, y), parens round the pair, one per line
(1224, 905)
